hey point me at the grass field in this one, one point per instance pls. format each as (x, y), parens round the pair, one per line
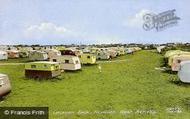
(125, 89)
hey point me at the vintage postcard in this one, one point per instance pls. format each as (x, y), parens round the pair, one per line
(94, 59)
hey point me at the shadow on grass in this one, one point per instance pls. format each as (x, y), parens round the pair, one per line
(4, 96)
(55, 79)
(72, 71)
(170, 72)
(177, 82)
(2, 99)
(89, 65)
(16, 60)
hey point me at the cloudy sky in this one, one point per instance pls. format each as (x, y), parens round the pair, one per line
(88, 21)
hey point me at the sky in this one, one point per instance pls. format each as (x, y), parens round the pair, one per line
(54, 22)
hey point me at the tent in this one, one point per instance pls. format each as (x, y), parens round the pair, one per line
(184, 71)
(42, 70)
(5, 86)
(177, 59)
(87, 58)
(68, 62)
(38, 55)
(3, 55)
(13, 53)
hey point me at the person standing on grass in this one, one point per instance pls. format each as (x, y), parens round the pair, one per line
(100, 68)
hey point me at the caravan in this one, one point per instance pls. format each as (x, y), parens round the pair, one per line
(42, 70)
(3, 47)
(170, 59)
(160, 49)
(13, 53)
(23, 54)
(38, 56)
(53, 53)
(87, 58)
(5, 86)
(129, 51)
(3, 55)
(184, 71)
(112, 53)
(68, 62)
(176, 60)
(103, 55)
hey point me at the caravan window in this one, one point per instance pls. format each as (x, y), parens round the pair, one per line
(54, 60)
(33, 66)
(88, 57)
(45, 66)
(76, 62)
(1, 83)
(66, 61)
(56, 67)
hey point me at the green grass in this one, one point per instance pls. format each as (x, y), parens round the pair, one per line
(129, 85)
(16, 60)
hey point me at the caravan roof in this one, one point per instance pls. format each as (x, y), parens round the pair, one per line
(2, 75)
(42, 65)
(3, 52)
(172, 52)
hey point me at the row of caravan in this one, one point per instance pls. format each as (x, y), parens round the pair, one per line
(51, 63)
(179, 61)
(4, 55)
(173, 58)
(63, 61)
(45, 54)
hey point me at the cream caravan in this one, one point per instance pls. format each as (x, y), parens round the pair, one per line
(38, 56)
(67, 62)
(3, 55)
(13, 53)
(5, 86)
